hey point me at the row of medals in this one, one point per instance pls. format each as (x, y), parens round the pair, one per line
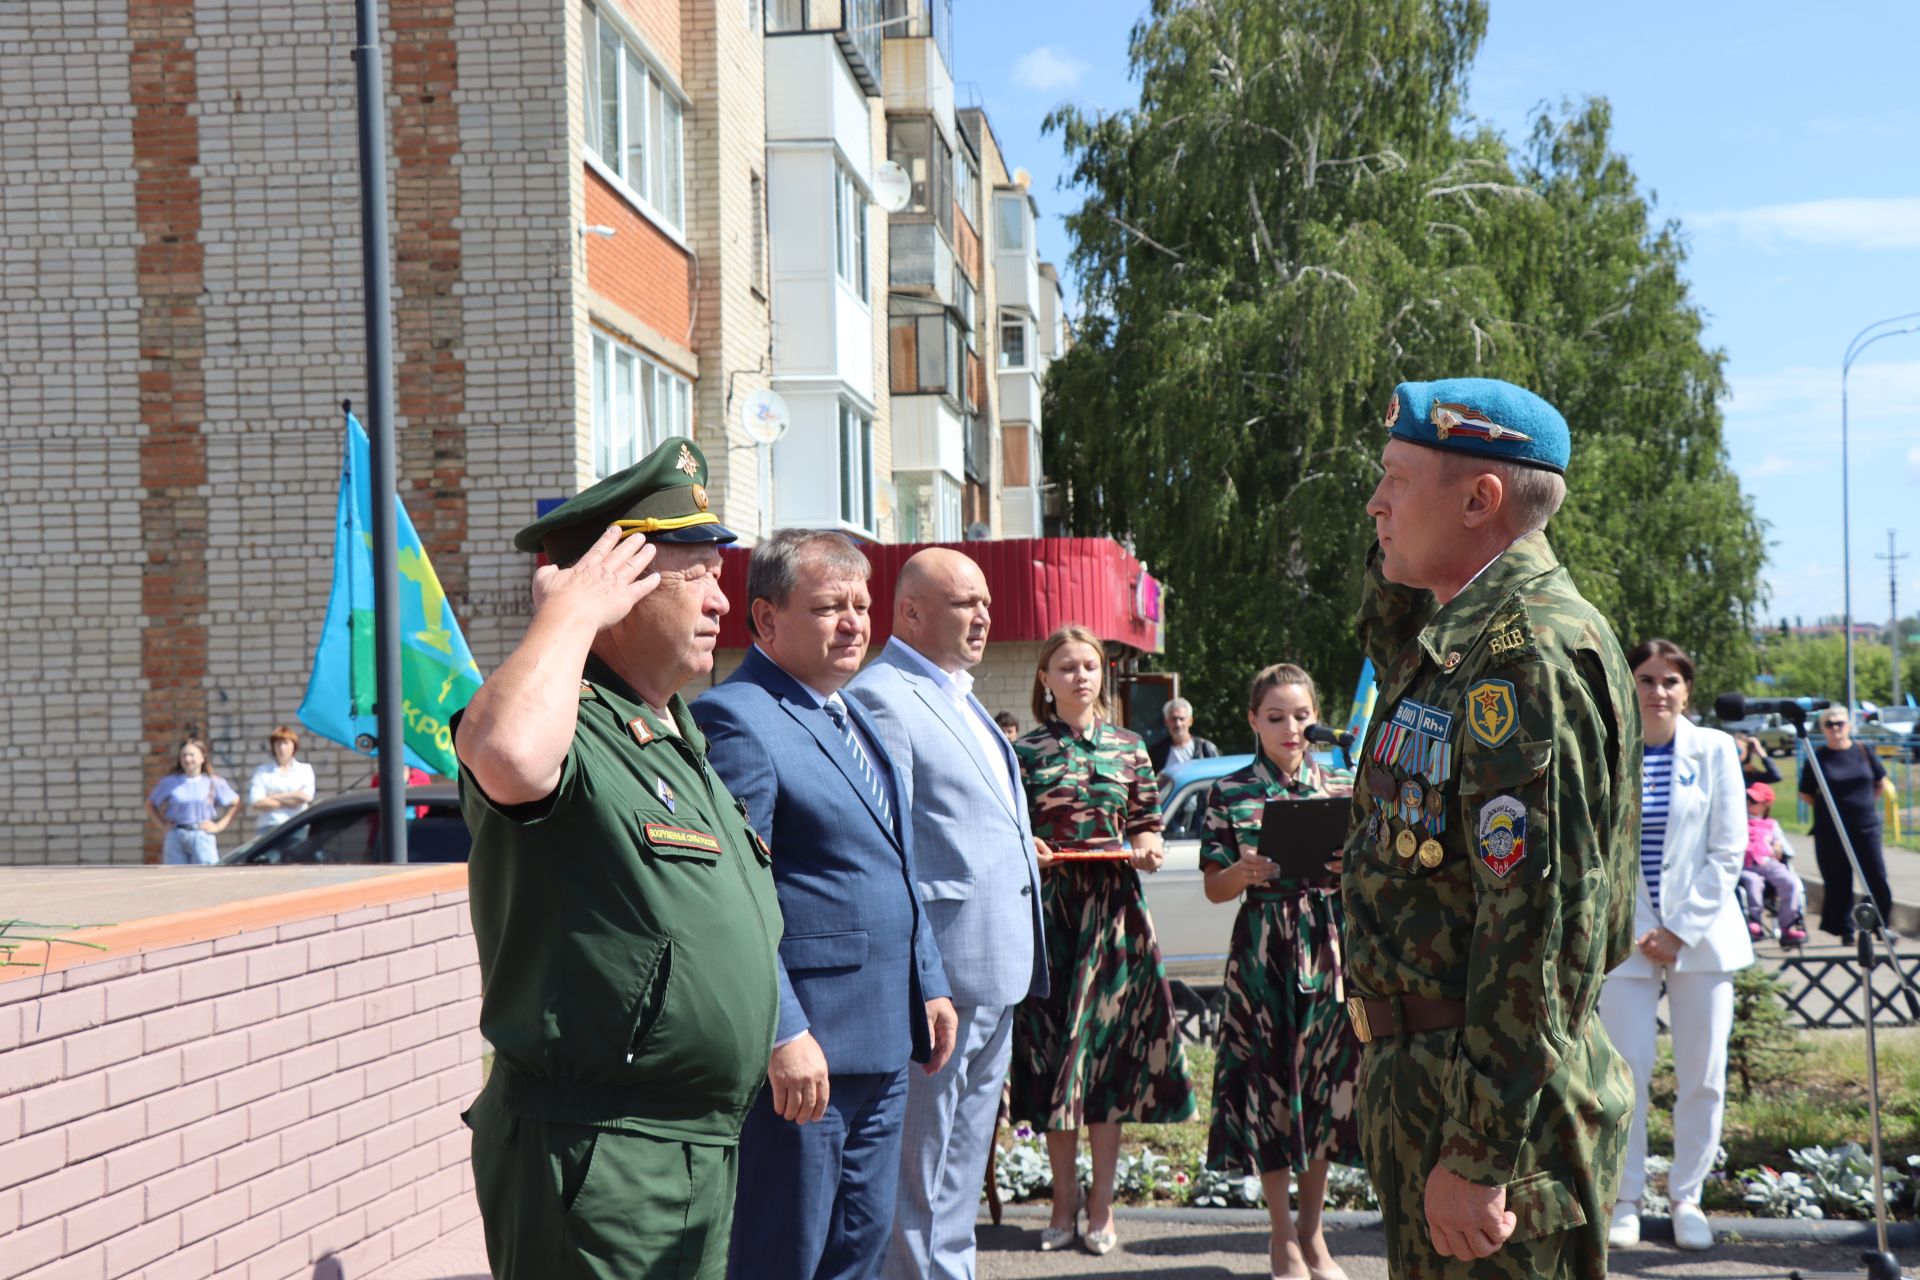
(1413, 798)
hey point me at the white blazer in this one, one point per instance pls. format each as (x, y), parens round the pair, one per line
(1706, 845)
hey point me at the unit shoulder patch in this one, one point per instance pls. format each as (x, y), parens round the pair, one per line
(1492, 712)
(1502, 834)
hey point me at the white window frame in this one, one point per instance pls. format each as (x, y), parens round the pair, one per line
(1000, 201)
(637, 403)
(854, 447)
(650, 170)
(1008, 318)
(850, 234)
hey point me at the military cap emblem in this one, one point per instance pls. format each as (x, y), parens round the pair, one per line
(1503, 834)
(686, 462)
(1393, 410)
(1449, 419)
(700, 496)
(1491, 712)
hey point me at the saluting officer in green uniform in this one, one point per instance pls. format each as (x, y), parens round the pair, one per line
(624, 909)
(1488, 880)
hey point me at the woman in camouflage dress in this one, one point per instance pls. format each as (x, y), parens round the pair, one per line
(1284, 1080)
(1100, 1048)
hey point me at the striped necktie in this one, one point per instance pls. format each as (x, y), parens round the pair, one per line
(837, 711)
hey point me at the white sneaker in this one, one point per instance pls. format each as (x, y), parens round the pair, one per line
(1690, 1229)
(1625, 1231)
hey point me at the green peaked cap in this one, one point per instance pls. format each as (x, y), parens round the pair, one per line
(664, 495)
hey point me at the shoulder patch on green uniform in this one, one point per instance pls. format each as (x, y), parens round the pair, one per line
(659, 835)
(1502, 836)
(1492, 712)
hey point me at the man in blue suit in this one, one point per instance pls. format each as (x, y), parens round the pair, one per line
(974, 851)
(862, 989)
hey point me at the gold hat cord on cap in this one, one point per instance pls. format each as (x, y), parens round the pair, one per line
(629, 527)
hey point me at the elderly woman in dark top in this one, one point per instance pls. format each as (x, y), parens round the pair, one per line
(1859, 782)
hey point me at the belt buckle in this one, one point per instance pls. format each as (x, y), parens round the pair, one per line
(1357, 1015)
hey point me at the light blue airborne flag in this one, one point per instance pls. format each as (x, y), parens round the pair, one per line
(437, 671)
(1364, 693)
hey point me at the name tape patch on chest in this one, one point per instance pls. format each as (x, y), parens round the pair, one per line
(662, 836)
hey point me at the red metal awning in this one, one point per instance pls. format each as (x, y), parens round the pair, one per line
(1039, 585)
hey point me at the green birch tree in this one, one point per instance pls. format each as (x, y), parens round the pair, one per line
(1294, 218)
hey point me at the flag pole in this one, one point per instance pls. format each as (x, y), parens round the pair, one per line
(370, 84)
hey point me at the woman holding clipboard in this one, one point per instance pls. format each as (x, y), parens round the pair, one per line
(1100, 1048)
(1284, 1078)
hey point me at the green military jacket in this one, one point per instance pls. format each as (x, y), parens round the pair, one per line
(1493, 852)
(627, 927)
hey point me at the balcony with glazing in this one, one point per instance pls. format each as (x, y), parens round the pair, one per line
(858, 26)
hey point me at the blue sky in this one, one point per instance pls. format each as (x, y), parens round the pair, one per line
(1786, 143)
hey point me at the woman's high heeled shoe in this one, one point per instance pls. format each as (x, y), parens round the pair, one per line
(1053, 1239)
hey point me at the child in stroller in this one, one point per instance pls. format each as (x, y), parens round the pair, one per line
(1766, 868)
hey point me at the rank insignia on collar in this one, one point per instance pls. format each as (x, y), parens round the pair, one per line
(1503, 834)
(665, 793)
(1492, 712)
(641, 731)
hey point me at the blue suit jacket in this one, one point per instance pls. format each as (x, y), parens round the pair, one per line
(857, 964)
(973, 846)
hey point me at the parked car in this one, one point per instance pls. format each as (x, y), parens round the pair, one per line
(346, 829)
(1776, 736)
(1183, 799)
(1890, 731)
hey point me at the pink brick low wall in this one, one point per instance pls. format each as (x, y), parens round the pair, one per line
(244, 1091)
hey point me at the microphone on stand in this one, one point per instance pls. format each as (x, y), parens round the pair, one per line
(1736, 706)
(1329, 737)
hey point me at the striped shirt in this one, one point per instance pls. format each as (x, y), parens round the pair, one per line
(1656, 785)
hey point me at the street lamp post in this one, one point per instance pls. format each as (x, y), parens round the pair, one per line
(1861, 341)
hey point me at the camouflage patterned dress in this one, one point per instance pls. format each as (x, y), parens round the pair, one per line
(1101, 1047)
(1284, 1079)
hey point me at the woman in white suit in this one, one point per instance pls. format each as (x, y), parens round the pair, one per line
(1687, 930)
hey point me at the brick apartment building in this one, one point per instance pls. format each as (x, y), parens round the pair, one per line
(612, 220)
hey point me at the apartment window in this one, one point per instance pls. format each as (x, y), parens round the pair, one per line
(850, 230)
(926, 350)
(916, 145)
(929, 507)
(966, 185)
(1013, 340)
(758, 194)
(856, 467)
(634, 121)
(636, 404)
(1010, 223)
(1016, 456)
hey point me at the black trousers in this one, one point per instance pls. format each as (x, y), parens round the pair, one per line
(1836, 877)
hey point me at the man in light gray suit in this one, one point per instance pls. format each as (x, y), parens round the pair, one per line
(980, 885)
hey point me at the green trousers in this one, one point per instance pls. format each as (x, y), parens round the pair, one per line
(560, 1202)
(1562, 1204)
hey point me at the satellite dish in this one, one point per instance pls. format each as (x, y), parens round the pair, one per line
(892, 188)
(979, 531)
(764, 416)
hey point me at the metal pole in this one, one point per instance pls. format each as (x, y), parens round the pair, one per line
(1893, 560)
(1854, 348)
(370, 82)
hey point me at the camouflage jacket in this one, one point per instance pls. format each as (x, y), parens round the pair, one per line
(1493, 853)
(1091, 790)
(1238, 801)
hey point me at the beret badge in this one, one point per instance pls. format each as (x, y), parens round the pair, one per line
(1450, 419)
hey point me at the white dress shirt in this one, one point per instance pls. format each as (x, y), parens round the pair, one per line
(958, 686)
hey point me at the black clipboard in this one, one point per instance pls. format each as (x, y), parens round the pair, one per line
(1298, 836)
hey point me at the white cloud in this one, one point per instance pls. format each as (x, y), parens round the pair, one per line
(1891, 222)
(1048, 70)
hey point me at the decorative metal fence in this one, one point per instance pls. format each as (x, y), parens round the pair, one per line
(1823, 991)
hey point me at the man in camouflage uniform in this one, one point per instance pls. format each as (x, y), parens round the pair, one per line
(1488, 876)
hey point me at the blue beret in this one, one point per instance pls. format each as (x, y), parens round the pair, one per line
(1485, 417)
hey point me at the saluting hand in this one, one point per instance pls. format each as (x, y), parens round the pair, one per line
(603, 585)
(943, 1026)
(798, 1073)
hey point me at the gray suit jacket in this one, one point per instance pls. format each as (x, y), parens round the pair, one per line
(972, 840)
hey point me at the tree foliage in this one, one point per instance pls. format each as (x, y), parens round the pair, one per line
(1294, 219)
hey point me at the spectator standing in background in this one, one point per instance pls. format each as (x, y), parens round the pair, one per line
(1009, 724)
(194, 804)
(281, 787)
(1179, 746)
